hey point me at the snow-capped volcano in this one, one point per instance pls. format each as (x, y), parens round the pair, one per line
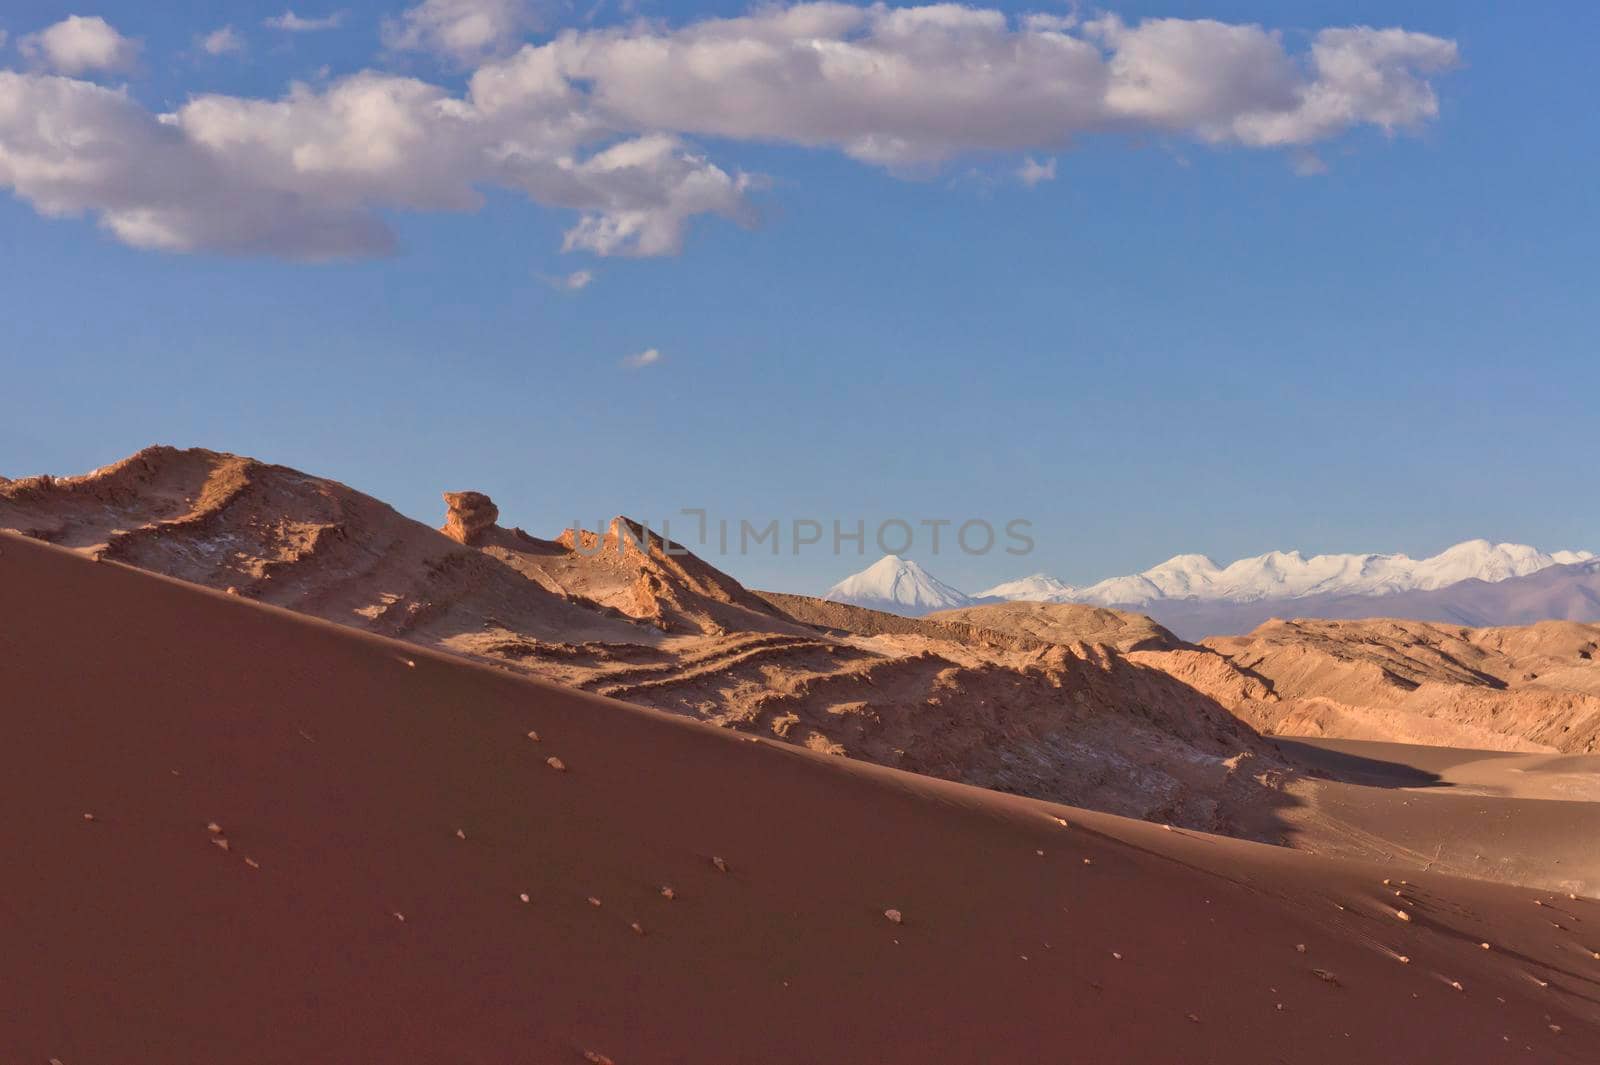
(1289, 575)
(899, 586)
(1038, 588)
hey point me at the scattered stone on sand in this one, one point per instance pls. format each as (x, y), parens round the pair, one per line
(1403, 915)
(1088, 861)
(1325, 976)
(722, 866)
(1485, 946)
(594, 1057)
(667, 892)
(1116, 955)
(555, 763)
(213, 828)
(593, 901)
(534, 736)
(638, 929)
(1300, 948)
(88, 817)
(252, 863)
(461, 833)
(1457, 985)
(525, 897)
(222, 843)
(894, 916)
(399, 916)
(1193, 1017)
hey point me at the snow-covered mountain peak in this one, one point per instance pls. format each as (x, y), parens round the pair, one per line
(1037, 588)
(897, 585)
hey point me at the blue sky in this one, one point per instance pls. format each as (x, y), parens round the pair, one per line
(1175, 345)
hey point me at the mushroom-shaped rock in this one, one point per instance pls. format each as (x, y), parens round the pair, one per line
(468, 516)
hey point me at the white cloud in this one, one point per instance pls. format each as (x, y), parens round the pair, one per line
(576, 281)
(301, 176)
(225, 41)
(647, 357)
(1307, 164)
(916, 86)
(463, 30)
(80, 45)
(1032, 172)
(595, 122)
(292, 23)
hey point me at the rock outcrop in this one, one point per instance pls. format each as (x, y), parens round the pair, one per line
(470, 515)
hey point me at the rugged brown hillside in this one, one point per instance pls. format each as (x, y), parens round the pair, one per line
(1535, 688)
(625, 615)
(1067, 623)
(245, 836)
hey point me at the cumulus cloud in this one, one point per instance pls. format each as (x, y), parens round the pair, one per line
(647, 357)
(463, 30)
(1032, 172)
(301, 176)
(80, 45)
(225, 41)
(910, 86)
(293, 23)
(598, 122)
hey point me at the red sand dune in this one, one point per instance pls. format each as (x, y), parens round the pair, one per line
(357, 780)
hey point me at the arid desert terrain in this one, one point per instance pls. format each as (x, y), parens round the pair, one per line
(294, 777)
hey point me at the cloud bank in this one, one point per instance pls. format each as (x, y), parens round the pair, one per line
(602, 122)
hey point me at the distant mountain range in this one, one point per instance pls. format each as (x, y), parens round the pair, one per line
(1473, 583)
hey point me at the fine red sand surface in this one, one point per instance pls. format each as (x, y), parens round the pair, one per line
(384, 809)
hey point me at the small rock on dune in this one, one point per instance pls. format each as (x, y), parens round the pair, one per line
(894, 916)
(555, 763)
(722, 866)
